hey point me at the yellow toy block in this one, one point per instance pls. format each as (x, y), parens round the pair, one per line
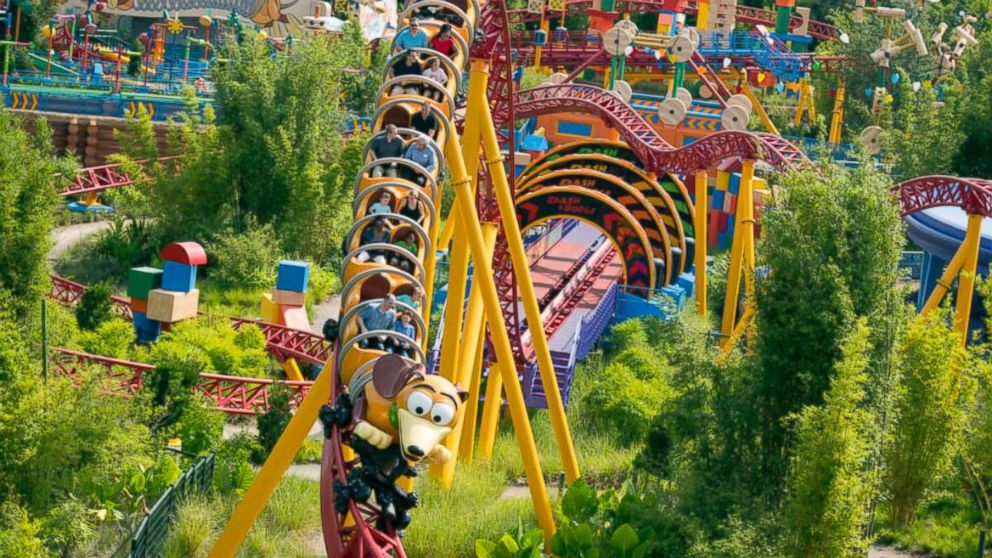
(722, 180)
(269, 309)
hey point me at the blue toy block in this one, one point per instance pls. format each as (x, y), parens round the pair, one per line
(293, 276)
(688, 282)
(735, 183)
(178, 277)
(717, 199)
(146, 330)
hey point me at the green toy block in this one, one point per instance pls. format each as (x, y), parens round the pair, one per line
(142, 280)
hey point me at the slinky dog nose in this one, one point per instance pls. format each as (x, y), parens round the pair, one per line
(415, 451)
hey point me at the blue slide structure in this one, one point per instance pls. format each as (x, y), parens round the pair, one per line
(939, 231)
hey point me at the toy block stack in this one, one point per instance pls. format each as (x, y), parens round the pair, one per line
(284, 305)
(722, 16)
(165, 296)
(723, 207)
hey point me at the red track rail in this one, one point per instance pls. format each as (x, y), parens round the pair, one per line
(974, 195)
(657, 154)
(105, 177)
(230, 394)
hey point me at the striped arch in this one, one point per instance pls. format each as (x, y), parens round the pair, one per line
(598, 210)
(626, 195)
(622, 151)
(631, 174)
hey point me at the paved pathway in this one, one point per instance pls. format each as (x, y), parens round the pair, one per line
(64, 238)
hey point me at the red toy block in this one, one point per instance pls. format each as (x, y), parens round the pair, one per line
(189, 253)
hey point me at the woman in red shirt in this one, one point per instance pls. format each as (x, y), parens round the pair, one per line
(442, 42)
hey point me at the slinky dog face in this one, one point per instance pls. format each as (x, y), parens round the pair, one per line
(421, 408)
(427, 408)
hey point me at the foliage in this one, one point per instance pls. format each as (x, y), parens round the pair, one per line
(19, 534)
(930, 405)
(126, 244)
(68, 528)
(247, 258)
(832, 248)
(111, 339)
(626, 398)
(94, 307)
(27, 165)
(271, 424)
(919, 137)
(825, 510)
(233, 473)
(201, 427)
(515, 544)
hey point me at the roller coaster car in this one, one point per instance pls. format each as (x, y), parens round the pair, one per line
(399, 228)
(399, 88)
(432, 14)
(374, 285)
(400, 111)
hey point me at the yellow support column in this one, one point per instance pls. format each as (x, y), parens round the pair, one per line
(837, 117)
(490, 415)
(966, 282)
(275, 466)
(702, 220)
(466, 357)
(944, 283)
(466, 451)
(468, 216)
(528, 296)
(758, 108)
(741, 252)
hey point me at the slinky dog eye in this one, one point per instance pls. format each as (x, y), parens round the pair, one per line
(418, 403)
(442, 413)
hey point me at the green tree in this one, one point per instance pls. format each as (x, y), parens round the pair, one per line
(94, 307)
(27, 186)
(930, 406)
(826, 507)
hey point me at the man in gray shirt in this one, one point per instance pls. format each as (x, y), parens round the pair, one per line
(378, 317)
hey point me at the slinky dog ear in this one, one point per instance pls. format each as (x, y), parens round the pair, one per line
(391, 373)
(462, 394)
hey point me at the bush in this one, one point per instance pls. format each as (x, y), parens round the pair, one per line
(201, 427)
(94, 307)
(68, 528)
(625, 401)
(19, 533)
(271, 424)
(233, 473)
(630, 333)
(247, 258)
(192, 528)
(126, 244)
(323, 282)
(111, 338)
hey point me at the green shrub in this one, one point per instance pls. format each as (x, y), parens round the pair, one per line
(271, 424)
(625, 401)
(201, 427)
(323, 282)
(67, 528)
(126, 244)
(248, 258)
(630, 333)
(94, 307)
(19, 534)
(232, 472)
(294, 506)
(192, 528)
(111, 338)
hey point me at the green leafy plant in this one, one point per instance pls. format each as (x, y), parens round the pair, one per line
(94, 307)
(514, 544)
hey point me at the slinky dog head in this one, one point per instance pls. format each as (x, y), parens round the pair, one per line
(422, 408)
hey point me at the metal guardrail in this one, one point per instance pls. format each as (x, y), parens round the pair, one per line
(147, 540)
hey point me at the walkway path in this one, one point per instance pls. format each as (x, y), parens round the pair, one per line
(64, 238)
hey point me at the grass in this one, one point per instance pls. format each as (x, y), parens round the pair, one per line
(947, 527)
(288, 527)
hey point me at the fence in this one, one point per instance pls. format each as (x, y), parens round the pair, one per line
(147, 540)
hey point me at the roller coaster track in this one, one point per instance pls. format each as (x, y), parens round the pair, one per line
(973, 195)
(229, 394)
(657, 155)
